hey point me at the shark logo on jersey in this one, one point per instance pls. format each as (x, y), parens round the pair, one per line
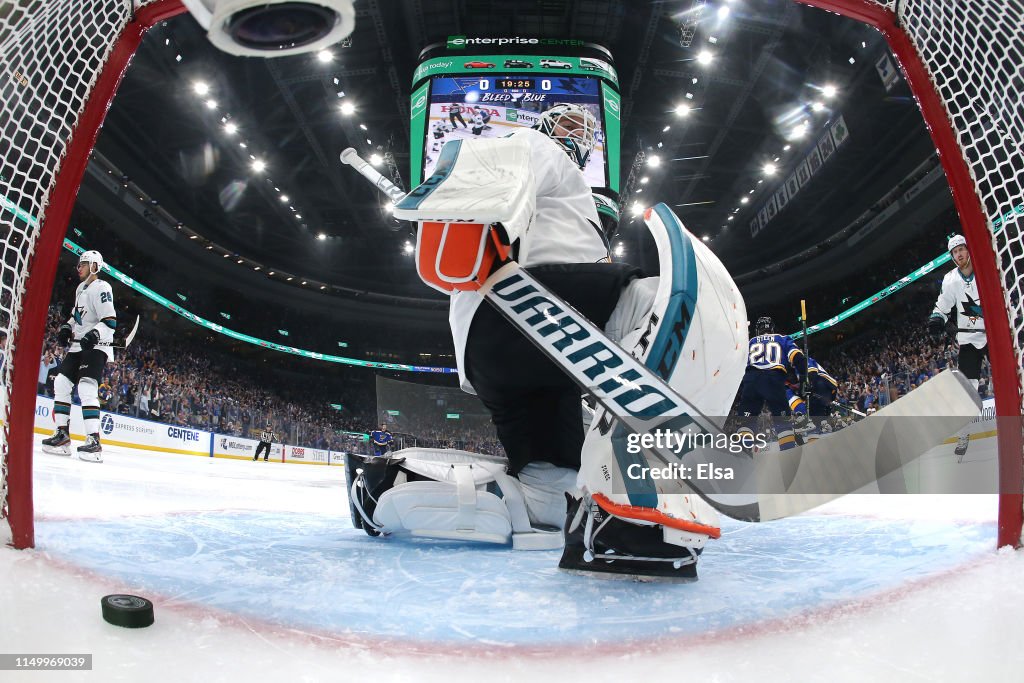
(971, 308)
(77, 314)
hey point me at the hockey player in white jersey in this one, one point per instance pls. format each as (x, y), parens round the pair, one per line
(89, 332)
(960, 292)
(652, 529)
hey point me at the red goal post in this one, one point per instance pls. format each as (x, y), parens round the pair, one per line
(956, 57)
(63, 60)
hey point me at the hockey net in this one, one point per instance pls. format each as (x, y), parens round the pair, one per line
(62, 61)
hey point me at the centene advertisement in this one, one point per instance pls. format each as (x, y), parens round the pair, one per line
(306, 455)
(131, 432)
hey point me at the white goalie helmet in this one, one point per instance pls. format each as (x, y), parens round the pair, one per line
(956, 241)
(94, 259)
(571, 126)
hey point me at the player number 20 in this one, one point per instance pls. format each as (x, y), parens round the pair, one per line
(770, 353)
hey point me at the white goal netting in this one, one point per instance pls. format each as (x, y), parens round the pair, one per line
(52, 53)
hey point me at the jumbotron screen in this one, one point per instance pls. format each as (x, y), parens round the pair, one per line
(493, 105)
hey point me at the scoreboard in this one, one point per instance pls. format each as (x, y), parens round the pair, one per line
(466, 96)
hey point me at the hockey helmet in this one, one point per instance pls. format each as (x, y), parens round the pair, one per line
(573, 127)
(764, 325)
(94, 259)
(955, 241)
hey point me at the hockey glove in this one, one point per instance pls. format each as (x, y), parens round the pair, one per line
(936, 326)
(89, 340)
(64, 335)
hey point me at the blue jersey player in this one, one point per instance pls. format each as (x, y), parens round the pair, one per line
(381, 440)
(770, 359)
(824, 388)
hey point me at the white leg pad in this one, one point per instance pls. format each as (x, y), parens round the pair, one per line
(459, 506)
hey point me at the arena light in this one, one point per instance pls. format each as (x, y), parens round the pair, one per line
(636, 209)
(376, 159)
(409, 248)
(654, 161)
(347, 108)
(211, 104)
(829, 91)
(321, 237)
(325, 56)
(745, 200)
(200, 88)
(230, 128)
(682, 109)
(259, 165)
(620, 249)
(284, 198)
(644, 180)
(706, 238)
(705, 57)
(298, 216)
(723, 12)
(818, 106)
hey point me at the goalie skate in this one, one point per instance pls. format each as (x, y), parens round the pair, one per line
(599, 543)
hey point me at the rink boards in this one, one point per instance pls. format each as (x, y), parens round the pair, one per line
(937, 471)
(149, 435)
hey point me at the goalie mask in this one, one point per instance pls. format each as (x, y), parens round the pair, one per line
(94, 259)
(571, 126)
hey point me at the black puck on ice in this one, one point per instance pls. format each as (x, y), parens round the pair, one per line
(129, 611)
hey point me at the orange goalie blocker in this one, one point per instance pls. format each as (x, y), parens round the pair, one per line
(457, 256)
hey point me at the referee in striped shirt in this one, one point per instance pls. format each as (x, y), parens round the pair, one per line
(266, 436)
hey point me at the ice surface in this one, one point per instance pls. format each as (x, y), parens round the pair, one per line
(257, 574)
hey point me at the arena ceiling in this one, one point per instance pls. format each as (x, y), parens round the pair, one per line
(772, 60)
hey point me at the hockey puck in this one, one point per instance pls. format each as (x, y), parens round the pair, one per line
(129, 611)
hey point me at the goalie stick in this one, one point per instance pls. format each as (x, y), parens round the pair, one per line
(776, 484)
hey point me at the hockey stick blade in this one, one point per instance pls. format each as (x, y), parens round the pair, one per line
(773, 485)
(131, 335)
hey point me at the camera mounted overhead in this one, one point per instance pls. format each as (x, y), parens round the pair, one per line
(273, 28)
